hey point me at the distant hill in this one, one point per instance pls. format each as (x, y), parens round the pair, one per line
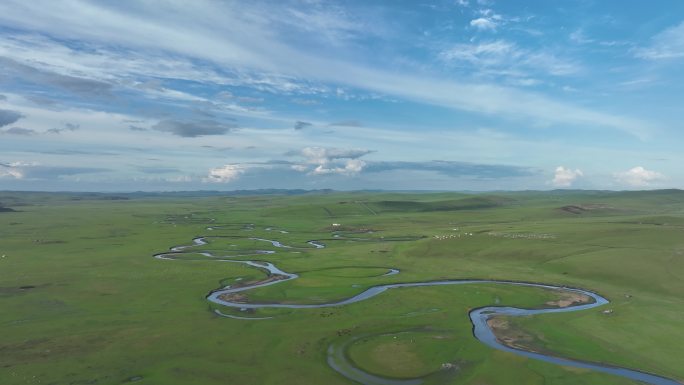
(40, 198)
(226, 193)
(470, 203)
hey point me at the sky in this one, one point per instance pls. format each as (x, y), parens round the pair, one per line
(463, 95)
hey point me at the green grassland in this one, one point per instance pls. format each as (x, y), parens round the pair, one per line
(84, 302)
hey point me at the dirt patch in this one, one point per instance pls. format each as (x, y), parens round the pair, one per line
(572, 209)
(570, 299)
(233, 297)
(241, 297)
(510, 336)
(581, 209)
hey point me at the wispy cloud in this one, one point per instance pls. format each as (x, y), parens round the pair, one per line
(455, 169)
(305, 102)
(36, 170)
(500, 57)
(326, 154)
(78, 85)
(669, 44)
(157, 169)
(31, 132)
(248, 48)
(578, 36)
(332, 22)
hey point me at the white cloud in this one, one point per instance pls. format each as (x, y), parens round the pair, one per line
(11, 173)
(565, 177)
(225, 174)
(8, 171)
(483, 24)
(668, 44)
(16, 169)
(322, 155)
(638, 177)
(328, 160)
(488, 20)
(350, 167)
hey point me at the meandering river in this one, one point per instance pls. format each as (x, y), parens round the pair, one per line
(478, 317)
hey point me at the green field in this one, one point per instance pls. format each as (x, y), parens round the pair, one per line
(84, 302)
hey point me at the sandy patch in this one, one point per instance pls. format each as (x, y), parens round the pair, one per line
(570, 299)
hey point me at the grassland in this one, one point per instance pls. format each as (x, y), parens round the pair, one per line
(84, 302)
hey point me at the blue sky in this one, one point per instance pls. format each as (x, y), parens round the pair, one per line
(432, 95)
